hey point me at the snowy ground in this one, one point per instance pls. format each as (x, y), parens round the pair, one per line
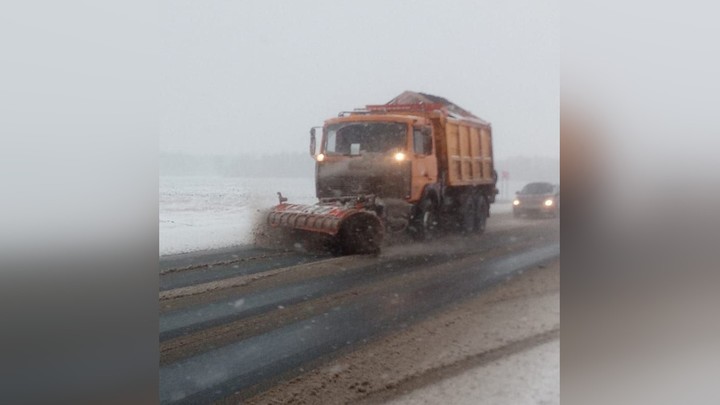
(198, 213)
(529, 377)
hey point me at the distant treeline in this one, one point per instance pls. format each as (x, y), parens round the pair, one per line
(275, 165)
(301, 165)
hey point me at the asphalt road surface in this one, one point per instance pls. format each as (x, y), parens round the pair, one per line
(246, 323)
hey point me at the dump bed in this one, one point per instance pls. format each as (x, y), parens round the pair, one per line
(467, 151)
(463, 140)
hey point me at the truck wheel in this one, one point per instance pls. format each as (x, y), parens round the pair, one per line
(361, 234)
(468, 214)
(426, 221)
(481, 214)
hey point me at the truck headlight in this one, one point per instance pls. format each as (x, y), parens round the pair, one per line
(400, 156)
(516, 202)
(548, 203)
(320, 157)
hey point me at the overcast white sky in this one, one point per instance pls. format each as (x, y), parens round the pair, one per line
(254, 76)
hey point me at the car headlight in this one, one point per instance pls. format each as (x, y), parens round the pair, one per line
(320, 157)
(548, 203)
(399, 156)
(516, 202)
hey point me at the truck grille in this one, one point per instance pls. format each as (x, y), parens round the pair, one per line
(393, 185)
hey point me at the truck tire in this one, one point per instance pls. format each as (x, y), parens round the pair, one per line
(361, 234)
(426, 221)
(468, 214)
(481, 216)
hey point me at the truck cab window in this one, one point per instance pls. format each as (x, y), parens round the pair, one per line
(422, 141)
(330, 146)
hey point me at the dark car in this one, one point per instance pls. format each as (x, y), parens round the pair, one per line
(537, 198)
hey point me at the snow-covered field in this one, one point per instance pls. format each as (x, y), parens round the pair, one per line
(199, 213)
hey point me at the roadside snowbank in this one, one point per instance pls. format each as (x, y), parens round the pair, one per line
(198, 213)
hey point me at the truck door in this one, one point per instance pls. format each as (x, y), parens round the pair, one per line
(424, 162)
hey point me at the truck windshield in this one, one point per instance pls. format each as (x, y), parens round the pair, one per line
(354, 138)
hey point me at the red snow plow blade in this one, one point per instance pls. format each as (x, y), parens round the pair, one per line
(354, 229)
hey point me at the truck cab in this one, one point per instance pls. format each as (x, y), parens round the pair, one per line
(386, 155)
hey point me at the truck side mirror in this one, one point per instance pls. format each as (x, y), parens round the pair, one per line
(312, 142)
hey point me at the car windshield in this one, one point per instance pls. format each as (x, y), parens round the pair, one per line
(537, 188)
(353, 138)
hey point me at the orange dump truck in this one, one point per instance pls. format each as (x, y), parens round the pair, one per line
(418, 164)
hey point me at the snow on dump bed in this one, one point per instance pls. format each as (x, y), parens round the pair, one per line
(199, 213)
